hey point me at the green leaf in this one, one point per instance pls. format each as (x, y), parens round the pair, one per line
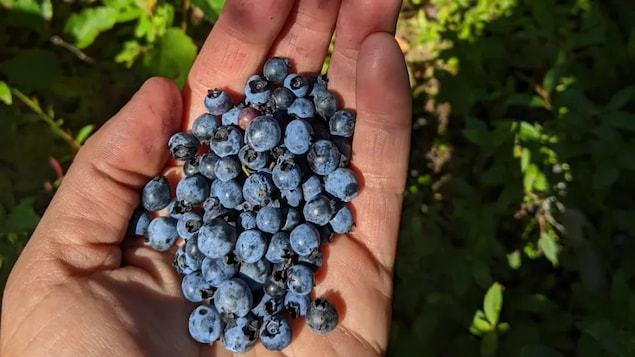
(85, 26)
(32, 69)
(129, 53)
(211, 8)
(489, 344)
(549, 247)
(83, 133)
(621, 98)
(526, 100)
(514, 260)
(172, 56)
(538, 350)
(611, 339)
(529, 132)
(551, 79)
(5, 93)
(476, 131)
(480, 325)
(605, 176)
(534, 179)
(21, 219)
(621, 120)
(493, 303)
(26, 13)
(525, 158)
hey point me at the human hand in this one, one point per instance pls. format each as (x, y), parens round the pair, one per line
(76, 290)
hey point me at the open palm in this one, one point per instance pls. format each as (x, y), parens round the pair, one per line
(77, 291)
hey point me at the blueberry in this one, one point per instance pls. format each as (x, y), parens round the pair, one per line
(227, 168)
(293, 197)
(321, 316)
(275, 284)
(269, 219)
(319, 210)
(216, 238)
(213, 208)
(302, 108)
(296, 84)
(247, 220)
(291, 218)
(286, 175)
(304, 239)
(191, 166)
(250, 246)
(325, 104)
(139, 222)
(263, 133)
(258, 189)
(204, 126)
(233, 296)
(192, 190)
(217, 270)
(206, 165)
(217, 102)
(279, 249)
(180, 262)
(342, 123)
(319, 85)
(188, 225)
(344, 146)
(313, 260)
(342, 184)
(312, 187)
(240, 334)
(231, 116)
(276, 69)
(195, 288)
(226, 141)
(229, 193)
(296, 305)
(176, 209)
(268, 306)
(342, 222)
(275, 333)
(281, 98)
(162, 233)
(193, 256)
(253, 159)
(183, 146)
(257, 90)
(323, 157)
(246, 116)
(255, 274)
(300, 279)
(205, 324)
(156, 194)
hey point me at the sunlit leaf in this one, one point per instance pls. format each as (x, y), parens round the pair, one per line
(549, 247)
(5, 93)
(493, 303)
(172, 56)
(84, 27)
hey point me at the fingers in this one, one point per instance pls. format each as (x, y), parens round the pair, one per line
(307, 34)
(88, 216)
(357, 20)
(381, 143)
(235, 49)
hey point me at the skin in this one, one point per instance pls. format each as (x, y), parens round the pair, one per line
(78, 291)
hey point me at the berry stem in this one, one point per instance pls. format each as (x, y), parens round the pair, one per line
(50, 120)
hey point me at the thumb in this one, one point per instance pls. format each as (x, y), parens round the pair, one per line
(87, 218)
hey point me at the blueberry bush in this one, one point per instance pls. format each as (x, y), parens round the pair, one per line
(518, 228)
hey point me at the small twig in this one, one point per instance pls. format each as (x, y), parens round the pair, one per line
(47, 119)
(58, 41)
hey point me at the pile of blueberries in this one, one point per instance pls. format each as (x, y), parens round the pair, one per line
(265, 184)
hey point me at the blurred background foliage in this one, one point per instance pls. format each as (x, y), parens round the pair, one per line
(518, 229)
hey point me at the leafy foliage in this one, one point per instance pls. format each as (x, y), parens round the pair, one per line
(518, 230)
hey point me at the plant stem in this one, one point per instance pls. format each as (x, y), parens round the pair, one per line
(57, 130)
